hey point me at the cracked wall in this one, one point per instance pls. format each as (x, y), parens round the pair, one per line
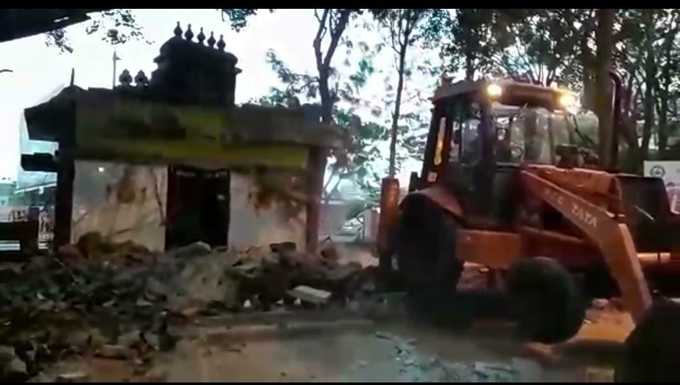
(254, 225)
(122, 202)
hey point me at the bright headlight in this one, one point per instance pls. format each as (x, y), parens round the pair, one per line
(493, 90)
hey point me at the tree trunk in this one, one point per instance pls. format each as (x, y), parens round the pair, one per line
(318, 156)
(469, 58)
(663, 92)
(326, 99)
(663, 125)
(469, 66)
(604, 39)
(650, 80)
(396, 114)
(587, 77)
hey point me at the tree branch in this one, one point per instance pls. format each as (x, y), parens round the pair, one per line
(335, 35)
(317, 39)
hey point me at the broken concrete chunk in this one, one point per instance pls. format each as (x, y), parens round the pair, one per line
(528, 370)
(599, 374)
(196, 249)
(494, 371)
(69, 253)
(156, 375)
(6, 353)
(247, 266)
(343, 272)
(329, 251)
(81, 339)
(232, 292)
(15, 370)
(283, 247)
(384, 335)
(310, 294)
(368, 286)
(73, 377)
(141, 302)
(152, 339)
(130, 339)
(40, 378)
(114, 351)
(233, 349)
(190, 311)
(156, 287)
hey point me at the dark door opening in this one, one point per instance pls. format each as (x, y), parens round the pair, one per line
(198, 206)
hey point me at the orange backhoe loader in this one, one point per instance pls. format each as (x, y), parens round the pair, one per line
(509, 181)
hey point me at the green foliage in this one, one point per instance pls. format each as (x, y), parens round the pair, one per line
(406, 28)
(474, 37)
(238, 17)
(361, 149)
(116, 26)
(295, 84)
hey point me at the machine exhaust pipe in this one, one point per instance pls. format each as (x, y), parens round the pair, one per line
(389, 202)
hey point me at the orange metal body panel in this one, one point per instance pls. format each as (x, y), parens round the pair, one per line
(585, 198)
(442, 198)
(613, 239)
(495, 249)
(573, 252)
(593, 185)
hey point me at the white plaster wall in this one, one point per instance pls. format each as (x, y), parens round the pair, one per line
(98, 207)
(253, 228)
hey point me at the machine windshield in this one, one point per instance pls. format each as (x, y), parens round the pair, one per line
(523, 134)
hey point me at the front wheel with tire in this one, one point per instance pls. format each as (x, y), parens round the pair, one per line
(426, 262)
(545, 300)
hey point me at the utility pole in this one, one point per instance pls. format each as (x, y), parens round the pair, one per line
(115, 59)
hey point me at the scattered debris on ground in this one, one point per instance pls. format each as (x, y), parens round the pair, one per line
(415, 366)
(594, 374)
(117, 300)
(125, 304)
(73, 377)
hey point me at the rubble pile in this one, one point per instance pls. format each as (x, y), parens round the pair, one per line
(116, 300)
(412, 365)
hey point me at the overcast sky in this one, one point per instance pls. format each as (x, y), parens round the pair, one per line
(39, 71)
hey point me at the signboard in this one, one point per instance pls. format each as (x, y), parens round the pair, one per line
(669, 171)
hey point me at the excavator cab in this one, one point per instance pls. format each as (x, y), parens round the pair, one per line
(483, 131)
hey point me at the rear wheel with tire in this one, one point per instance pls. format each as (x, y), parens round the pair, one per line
(545, 300)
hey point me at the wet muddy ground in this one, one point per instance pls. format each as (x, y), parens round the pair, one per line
(347, 348)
